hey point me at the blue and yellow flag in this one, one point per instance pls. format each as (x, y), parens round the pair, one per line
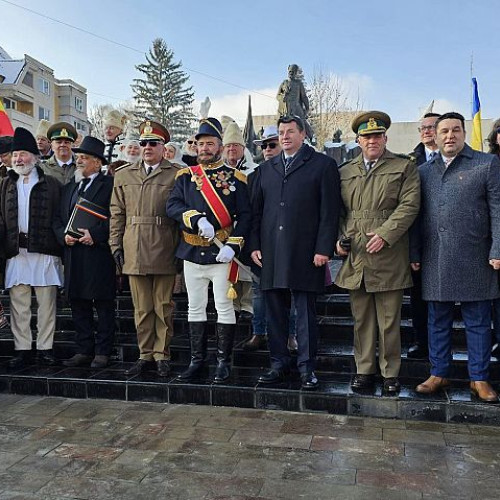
(477, 135)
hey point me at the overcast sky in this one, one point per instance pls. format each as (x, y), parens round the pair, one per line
(396, 55)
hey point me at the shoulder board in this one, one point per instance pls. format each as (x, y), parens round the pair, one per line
(182, 171)
(240, 175)
(401, 155)
(122, 167)
(344, 163)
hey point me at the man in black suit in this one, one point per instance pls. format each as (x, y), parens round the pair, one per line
(425, 150)
(89, 267)
(296, 205)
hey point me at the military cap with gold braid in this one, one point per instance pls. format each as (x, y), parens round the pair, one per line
(154, 131)
(209, 126)
(62, 130)
(371, 122)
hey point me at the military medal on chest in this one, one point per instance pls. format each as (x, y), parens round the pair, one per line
(222, 180)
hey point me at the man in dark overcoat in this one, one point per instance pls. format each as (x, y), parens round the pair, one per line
(295, 207)
(460, 252)
(89, 267)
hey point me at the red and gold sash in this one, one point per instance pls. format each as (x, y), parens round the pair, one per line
(218, 208)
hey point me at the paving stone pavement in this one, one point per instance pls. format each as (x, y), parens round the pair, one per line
(56, 448)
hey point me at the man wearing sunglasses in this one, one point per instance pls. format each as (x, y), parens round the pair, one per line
(143, 242)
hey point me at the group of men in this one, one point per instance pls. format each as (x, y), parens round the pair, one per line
(285, 218)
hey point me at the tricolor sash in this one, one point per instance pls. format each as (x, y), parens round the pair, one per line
(218, 208)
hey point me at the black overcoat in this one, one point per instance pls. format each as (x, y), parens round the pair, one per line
(89, 271)
(295, 216)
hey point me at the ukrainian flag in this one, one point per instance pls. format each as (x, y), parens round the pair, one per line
(477, 136)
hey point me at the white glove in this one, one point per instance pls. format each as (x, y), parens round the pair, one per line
(226, 254)
(205, 229)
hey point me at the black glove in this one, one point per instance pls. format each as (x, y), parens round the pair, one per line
(345, 243)
(119, 259)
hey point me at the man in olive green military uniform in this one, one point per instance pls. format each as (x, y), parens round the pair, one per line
(381, 195)
(143, 241)
(61, 164)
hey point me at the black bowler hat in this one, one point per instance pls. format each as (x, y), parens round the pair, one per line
(93, 147)
(5, 144)
(24, 141)
(209, 126)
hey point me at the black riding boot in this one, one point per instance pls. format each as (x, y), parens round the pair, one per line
(225, 340)
(198, 342)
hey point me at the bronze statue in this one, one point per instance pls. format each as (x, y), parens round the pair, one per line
(292, 98)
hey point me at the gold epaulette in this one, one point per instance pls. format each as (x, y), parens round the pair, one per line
(182, 171)
(240, 175)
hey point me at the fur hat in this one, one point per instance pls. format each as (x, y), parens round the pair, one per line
(233, 135)
(42, 129)
(6, 144)
(24, 141)
(115, 119)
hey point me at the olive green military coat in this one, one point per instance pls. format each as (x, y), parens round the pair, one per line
(385, 201)
(139, 224)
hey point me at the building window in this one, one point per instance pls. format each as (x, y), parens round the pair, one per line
(79, 126)
(9, 103)
(43, 113)
(28, 79)
(79, 103)
(44, 86)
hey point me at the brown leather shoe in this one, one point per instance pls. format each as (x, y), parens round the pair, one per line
(255, 343)
(483, 390)
(432, 385)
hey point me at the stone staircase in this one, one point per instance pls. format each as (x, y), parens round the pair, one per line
(335, 368)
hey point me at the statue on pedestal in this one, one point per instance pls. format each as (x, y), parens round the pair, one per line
(292, 98)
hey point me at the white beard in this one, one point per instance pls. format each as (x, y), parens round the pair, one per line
(131, 158)
(24, 169)
(78, 175)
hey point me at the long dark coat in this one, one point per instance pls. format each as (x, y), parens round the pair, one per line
(89, 271)
(460, 227)
(295, 216)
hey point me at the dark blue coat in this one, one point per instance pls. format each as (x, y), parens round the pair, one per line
(295, 216)
(89, 271)
(460, 227)
(187, 205)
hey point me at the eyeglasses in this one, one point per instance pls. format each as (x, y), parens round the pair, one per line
(270, 145)
(426, 127)
(153, 143)
(192, 142)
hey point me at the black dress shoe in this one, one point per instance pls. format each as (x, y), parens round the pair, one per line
(273, 376)
(138, 367)
(20, 360)
(309, 381)
(245, 316)
(163, 367)
(418, 352)
(78, 360)
(46, 358)
(362, 382)
(391, 385)
(255, 343)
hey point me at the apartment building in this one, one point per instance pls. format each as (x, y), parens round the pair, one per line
(30, 92)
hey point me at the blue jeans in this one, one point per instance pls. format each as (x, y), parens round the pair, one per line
(259, 322)
(477, 319)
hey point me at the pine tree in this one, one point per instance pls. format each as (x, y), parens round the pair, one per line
(162, 94)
